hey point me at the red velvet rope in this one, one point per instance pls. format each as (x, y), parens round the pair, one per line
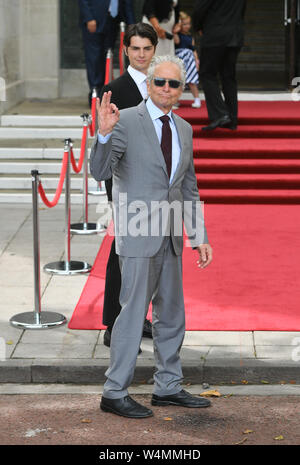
(77, 168)
(57, 195)
(92, 128)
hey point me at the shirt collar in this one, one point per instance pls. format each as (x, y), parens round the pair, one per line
(136, 75)
(154, 111)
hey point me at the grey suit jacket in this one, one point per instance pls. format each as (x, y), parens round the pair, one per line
(147, 207)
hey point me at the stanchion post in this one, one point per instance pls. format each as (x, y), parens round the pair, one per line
(100, 190)
(36, 243)
(121, 51)
(109, 69)
(94, 116)
(86, 227)
(37, 319)
(68, 143)
(68, 266)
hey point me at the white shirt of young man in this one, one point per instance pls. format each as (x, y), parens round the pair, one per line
(140, 79)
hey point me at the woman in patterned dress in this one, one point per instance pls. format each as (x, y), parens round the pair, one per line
(185, 49)
(162, 15)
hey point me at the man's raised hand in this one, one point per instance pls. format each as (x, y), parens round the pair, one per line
(108, 114)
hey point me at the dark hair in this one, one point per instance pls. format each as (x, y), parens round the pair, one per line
(142, 30)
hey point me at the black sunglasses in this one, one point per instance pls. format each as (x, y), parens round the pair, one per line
(173, 83)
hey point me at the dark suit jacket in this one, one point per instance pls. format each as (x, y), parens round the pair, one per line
(125, 94)
(98, 10)
(222, 22)
(160, 9)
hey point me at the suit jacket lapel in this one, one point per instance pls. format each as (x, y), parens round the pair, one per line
(132, 87)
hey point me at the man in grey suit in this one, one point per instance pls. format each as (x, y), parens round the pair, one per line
(148, 151)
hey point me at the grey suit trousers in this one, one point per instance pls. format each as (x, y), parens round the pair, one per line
(157, 278)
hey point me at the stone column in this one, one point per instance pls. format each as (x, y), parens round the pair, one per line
(11, 84)
(40, 48)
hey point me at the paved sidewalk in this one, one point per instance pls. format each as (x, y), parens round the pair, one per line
(61, 355)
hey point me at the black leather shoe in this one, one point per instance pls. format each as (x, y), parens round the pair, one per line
(182, 399)
(126, 407)
(218, 123)
(230, 125)
(147, 329)
(107, 337)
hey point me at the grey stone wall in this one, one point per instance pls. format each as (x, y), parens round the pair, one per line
(40, 48)
(29, 50)
(11, 82)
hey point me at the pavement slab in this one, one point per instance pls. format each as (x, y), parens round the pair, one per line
(60, 355)
(59, 419)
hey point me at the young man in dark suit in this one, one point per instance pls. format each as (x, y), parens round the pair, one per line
(221, 23)
(99, 20)
(127, 91)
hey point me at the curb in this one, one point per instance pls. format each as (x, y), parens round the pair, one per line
(87, 371)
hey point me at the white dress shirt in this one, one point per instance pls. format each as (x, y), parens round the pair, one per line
(155, 113)
(140, 79)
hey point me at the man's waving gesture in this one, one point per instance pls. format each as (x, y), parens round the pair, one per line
(108, 114)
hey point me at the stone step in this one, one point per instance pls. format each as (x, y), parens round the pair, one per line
(39, 133)
(43, 166)
(24, 196)
(48, 182)
(25, 153)
(39, 143)
(41, 121)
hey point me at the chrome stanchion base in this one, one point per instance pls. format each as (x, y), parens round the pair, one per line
(67, 268)
(33, 320)
(87, 228)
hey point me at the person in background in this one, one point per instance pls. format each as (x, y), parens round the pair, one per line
(222, 31)
(138, 9)
(185, 49)
(163, 16)
(99, 21)
(128, 91)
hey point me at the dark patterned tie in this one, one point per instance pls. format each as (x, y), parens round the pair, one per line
(166, 142)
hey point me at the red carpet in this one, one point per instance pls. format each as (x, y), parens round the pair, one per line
(250, 182)
(258, 163)
(250, 112)
(252, 284)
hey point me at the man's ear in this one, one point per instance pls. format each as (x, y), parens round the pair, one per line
(125, 50)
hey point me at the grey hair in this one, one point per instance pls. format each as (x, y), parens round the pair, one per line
(157, 60)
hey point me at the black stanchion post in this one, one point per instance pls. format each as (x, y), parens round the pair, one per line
(37, 319)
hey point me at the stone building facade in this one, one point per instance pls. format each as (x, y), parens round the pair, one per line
(41, 53)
